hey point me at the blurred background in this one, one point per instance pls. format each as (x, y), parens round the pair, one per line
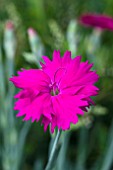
(28, 30)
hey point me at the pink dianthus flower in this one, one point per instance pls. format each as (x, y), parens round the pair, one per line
(97, 20)
(58, 92)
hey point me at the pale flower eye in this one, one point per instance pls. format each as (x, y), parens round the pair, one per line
(54, 91)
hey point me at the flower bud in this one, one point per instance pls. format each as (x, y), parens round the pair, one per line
(35, 43)
(9, 40)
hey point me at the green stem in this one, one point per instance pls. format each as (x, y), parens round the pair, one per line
(53, 152)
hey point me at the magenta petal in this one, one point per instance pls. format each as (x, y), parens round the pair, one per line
(80, 76)
(66, 58)
(30, 79)
(65, 109)
(51, 67)
(70, 75)
(56, 57)
(46, 60)
(45, 122)
(35, 108)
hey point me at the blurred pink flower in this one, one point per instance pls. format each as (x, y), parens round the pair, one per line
(58, 92)
(31, 32)
(9, 25)
(97, 20)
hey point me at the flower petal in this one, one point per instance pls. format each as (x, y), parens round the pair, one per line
(65, 109)
(66, 59)
(32, 78)
(51, 67)
(78, 74)
(41, 105)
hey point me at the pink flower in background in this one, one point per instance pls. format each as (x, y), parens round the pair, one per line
(97, 20)
(9, 25)
(32, 32)
(57, 93)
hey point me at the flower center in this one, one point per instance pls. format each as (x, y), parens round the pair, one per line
(54, 90)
